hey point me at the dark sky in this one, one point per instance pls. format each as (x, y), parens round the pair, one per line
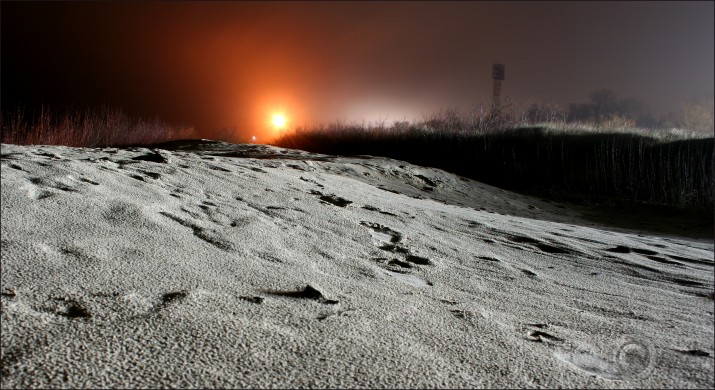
(236, 63)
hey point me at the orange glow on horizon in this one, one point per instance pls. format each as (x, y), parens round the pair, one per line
(274, 112)
(279, 121)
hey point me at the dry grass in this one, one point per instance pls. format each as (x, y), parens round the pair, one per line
(98, 128)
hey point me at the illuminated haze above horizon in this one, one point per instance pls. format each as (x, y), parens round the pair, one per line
(232, 64)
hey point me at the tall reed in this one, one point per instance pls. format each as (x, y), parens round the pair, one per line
(92, 128)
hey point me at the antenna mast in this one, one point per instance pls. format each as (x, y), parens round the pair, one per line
(498, 77)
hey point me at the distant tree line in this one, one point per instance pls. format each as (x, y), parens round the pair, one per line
(604, 105)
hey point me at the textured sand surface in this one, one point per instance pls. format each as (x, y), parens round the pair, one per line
(207, 264)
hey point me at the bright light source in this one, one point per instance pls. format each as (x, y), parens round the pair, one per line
(253, 138)
(279, 121)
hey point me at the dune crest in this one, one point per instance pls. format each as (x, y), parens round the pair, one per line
(207, 264)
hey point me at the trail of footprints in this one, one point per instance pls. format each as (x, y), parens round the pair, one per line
(42, 188)
(676, 261)
(519, 242)
(101, 307)
(401, 261)
(71, 182)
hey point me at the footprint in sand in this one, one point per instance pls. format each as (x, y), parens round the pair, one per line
(57, 305)
(335, 200)
(172, 298)
(153, 157)
(382, 233)
(537, 332)
(308, 292)
(43, 187)
(371, 208)
(542, 246)
(210, 236)
(38, 193)
(312, 181)
(70, 309)
(331, 199)
(389, 240)
(141, 306)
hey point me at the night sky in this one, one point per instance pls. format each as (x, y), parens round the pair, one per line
(228, 64)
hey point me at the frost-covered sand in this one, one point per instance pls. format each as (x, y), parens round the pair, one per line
(207, 264)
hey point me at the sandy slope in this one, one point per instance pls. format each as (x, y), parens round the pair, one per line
(215, 265)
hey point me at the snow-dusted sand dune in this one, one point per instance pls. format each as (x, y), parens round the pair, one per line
(207, 264)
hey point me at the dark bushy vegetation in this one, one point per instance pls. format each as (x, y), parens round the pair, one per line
(92, 128)
(539, 159)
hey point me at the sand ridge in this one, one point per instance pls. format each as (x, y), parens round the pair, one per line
(207, 264)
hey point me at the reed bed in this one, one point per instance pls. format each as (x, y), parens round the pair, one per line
(572, 160)
(91, 128)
